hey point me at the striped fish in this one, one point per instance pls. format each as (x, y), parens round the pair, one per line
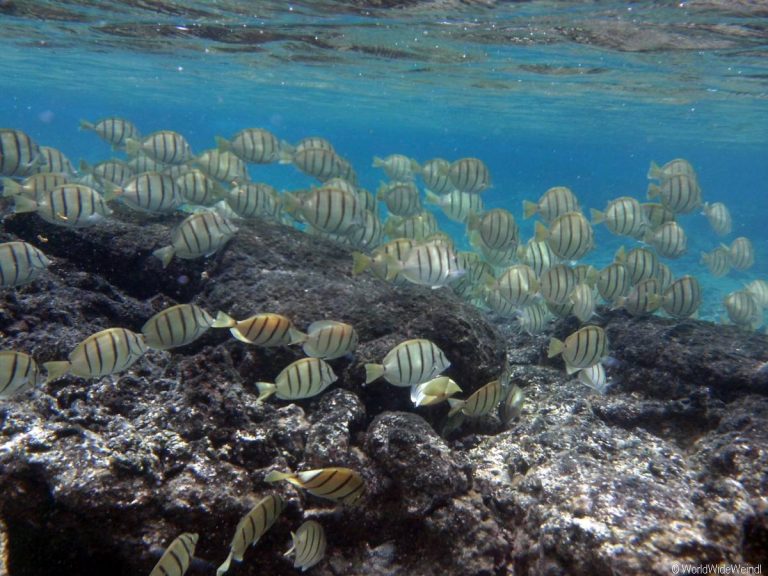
(107, 352)
(114, 130)
(718, 262)
(198, 235)
(664, 276)
(397, 167)
(331, 210)
(72, 205)
(614, 282)
(457, 205)
(18, 372)
(534, 318)
(682, 298)
(308, 545)
(367, 199)
(560, 310)
(481, 402)
(304, 378)
(582, 349)
(759, 288)
(401, 198)
(34, 185)
(429, 264)
(164, 146)
(417, 227)
(177, 557)
(680, 193)
(518, 285)
(114, 172)
(267, 330)
(151, 192)
(500, 257)
(433, 391)
(337, 484)
(496, 302)
(469, 175)
(570, 236)
(641, 263)
(557, 283)
(624, 216)
(742, 253)
(20, 263)
(676, 167)
(644, 298)
(435, 176)
(511, 404)
(553, 203)
(719, 218)
(743, 309)
(594, 377)
(55, 161)
(143, 163)
(314, 142)
(495, 229)
(319, 163)
(252, 527)
(252, 200)
(19, 155)
(409, 363)
(196, 187)
(180, 325)
(368, 235)
(222, 165)
(329, 339)
(477, 271)
(255, 145)
(583, 299)
(384, 258)
(657, 214)
(669, 240)
(538, 255)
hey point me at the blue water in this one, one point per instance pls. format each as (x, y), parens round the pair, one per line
(526, 110)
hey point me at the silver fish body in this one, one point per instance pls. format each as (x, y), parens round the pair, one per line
(309, 545)
(304, 378)
(177, 557)
(198, 235)
(582, 349)
(329, 339)
(409, 363)
(18, 372)
(20, 263)
(342, 485)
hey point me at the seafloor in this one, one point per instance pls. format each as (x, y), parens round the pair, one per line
(97, 477)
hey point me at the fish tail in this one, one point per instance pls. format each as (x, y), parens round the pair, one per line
(237, 335)
(222, 143)
(456, 406)
(620, 256)
(415, 166)
(571, 369)
(598, 217)
(223, 320)
(225, 565)
(111, 191)
(377, 162)
(10, 187)
(266, 389)
(654, 172)
(85, 167)
(360, 263)
(276, 476)
(292, 203)
(287, 147)
(56, 369)
(23, 204)
(292, 549)
(653, 191)
(85, 125)
(285, 156)
(132, 147)
(529, 208)
(373, 372)
(473, 221)
(432, 198)
(541, 232)
(296, 336)
(555, 347)
(165, 255)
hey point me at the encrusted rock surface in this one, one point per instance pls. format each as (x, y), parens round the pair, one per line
(99, 476)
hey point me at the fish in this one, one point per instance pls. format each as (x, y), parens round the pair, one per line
(594, 377)
(469, 175)
(583, 300)
(113, 129)
(320, 163)
(151, 192)
(314, 142)
(164, 146)
(682, 298)
(143, 163)
(499, 257)
(252, 527)
(495, 301)
(265, 330)
(367, 236)
(304, 378)
(477, 271)
(511, 404)
(366, 198)
(676, 167)
(664, 275)
(409, 363)
(495, 229)
(417, 227)
(401, 198)
(254, 145)
(329, 339)
(534, 318)
(18, 372)
(623, 216)
(196, 187)
(557, 283)
(104, 353)
(383, 258)
(342, 485)
(743, 309)
(177, 557)
(483, 401)
(55, 161)
(538, 255)
(657, 214)
(33, 186)
(308, 546)
(759, 289)
(252, 200)
(680, 193)
(198, 235)
(435, 176)
(115, 172)
(560, 310)
(180, 325)
(20, 263)
(517, 284)
(433, 391)
(582, 349)
(719, 217)
(570, 235)
(742, 253)
(456, 205)
(614, 282)
(641, 263)
(71, 205)
(718, 262)
(222, 165)
(645, 297)
(332, 210)
(397, 167)
(669, 240)
(554, 202)
(427, 264)
(19, 154)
